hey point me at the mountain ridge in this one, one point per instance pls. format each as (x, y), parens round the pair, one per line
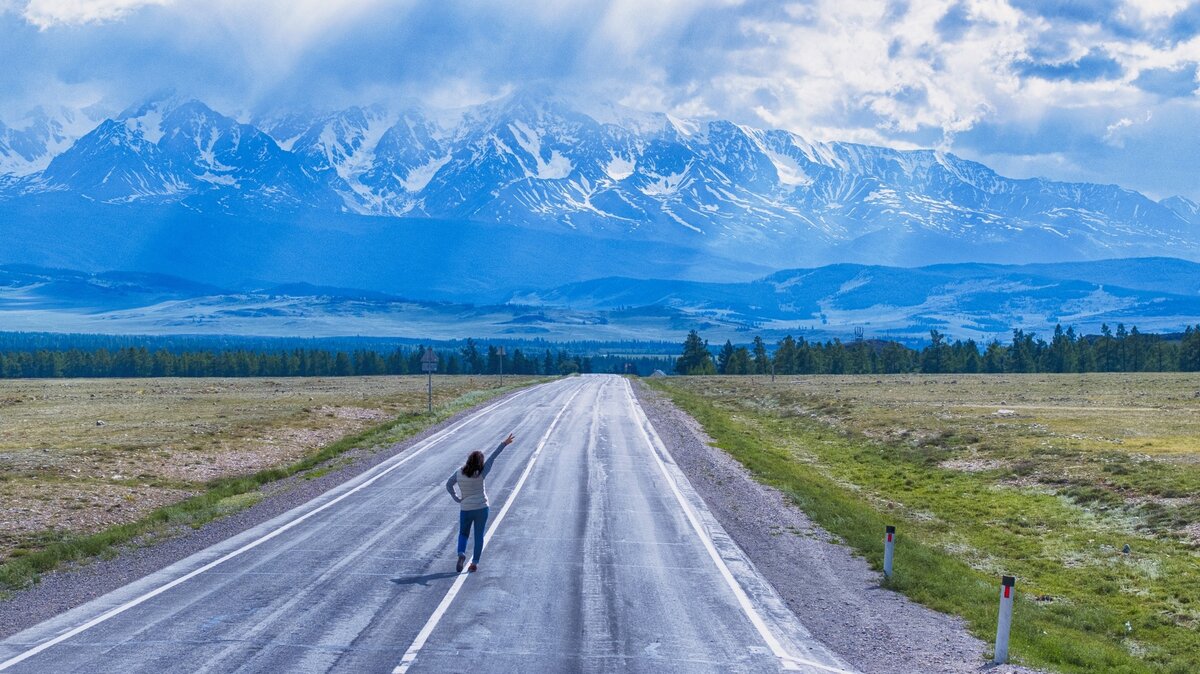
(541, 163)
(964, 301)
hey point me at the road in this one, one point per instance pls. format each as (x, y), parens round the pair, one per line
(600, 557)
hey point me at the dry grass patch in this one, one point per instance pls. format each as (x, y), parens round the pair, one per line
(78, 456)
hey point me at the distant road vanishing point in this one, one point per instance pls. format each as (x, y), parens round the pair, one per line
(599, 557)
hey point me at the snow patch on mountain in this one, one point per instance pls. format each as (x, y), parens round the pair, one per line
(671, 214)
(148, 125)
(686, 127)
(619, 168)
(661, 185)
(555, 167)
(419, 177)
(790, 172)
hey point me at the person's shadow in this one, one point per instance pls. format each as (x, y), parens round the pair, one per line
(424, 580)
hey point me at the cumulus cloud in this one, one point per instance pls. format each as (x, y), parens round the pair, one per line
(47, 13)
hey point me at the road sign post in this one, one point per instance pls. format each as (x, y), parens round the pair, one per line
(502, 366)
(429, 366)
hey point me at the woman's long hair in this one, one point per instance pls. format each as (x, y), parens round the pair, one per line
(474, 464)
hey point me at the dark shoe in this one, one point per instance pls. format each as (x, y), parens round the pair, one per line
(473, 567)
(462, 559)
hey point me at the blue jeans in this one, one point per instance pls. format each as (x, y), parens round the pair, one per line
(466, 518)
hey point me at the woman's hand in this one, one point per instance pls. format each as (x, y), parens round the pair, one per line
(508, 440)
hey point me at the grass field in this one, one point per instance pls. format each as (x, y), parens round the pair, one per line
(1046, 477)
(86, 465)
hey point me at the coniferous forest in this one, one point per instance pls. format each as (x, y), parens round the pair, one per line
(140, 361)
(1120, 350)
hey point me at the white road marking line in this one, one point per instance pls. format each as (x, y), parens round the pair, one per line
(790, 662)
(404, 458)
(410, 655)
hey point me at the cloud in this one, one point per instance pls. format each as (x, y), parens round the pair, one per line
(47, 13)
(1094, 65)
(1113, 134)
(984, 77)
(1154, 153)
(1169, 82)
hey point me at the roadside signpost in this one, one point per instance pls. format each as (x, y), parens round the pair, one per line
(502, 366)
(429, 366)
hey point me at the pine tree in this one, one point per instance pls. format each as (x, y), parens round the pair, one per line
(934, 357)
(472, 360)
(1189, 350)
(785, 356)
(723, 357)
(739, 362)
(696, 360)
(341, 365)
(762, 362)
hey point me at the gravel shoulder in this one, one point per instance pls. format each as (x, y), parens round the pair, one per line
(835, 595)
(65, 589)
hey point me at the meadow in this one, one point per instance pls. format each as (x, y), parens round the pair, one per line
(87, 465)
(1045, 477)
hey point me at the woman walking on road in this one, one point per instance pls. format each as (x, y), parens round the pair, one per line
(473, 511)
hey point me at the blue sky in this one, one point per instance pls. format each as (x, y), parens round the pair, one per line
(1102, 91)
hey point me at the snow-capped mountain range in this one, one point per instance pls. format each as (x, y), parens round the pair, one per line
(544, 164)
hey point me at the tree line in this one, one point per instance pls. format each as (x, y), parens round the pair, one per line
(139, 361)
(1125, 350)
(1122, 350)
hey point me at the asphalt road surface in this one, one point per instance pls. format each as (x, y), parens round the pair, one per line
(600, 557)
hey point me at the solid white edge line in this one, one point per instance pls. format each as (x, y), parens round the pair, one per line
(410, 655)
(790, 662)
(403, 458)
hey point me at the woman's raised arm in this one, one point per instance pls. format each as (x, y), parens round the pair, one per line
(487, 465)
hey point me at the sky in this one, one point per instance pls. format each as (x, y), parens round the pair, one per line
(1082, 90)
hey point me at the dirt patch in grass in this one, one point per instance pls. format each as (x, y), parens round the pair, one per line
(972, 464)
(32, 514)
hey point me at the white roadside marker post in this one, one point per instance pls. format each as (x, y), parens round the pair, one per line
(1007, 593)
(889, 548)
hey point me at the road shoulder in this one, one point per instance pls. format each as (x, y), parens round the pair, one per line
(834, 594)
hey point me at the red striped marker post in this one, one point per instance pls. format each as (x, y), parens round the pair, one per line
(889, 545)
(1007, 593)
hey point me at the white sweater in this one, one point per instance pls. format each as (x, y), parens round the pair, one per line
(474, 495)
